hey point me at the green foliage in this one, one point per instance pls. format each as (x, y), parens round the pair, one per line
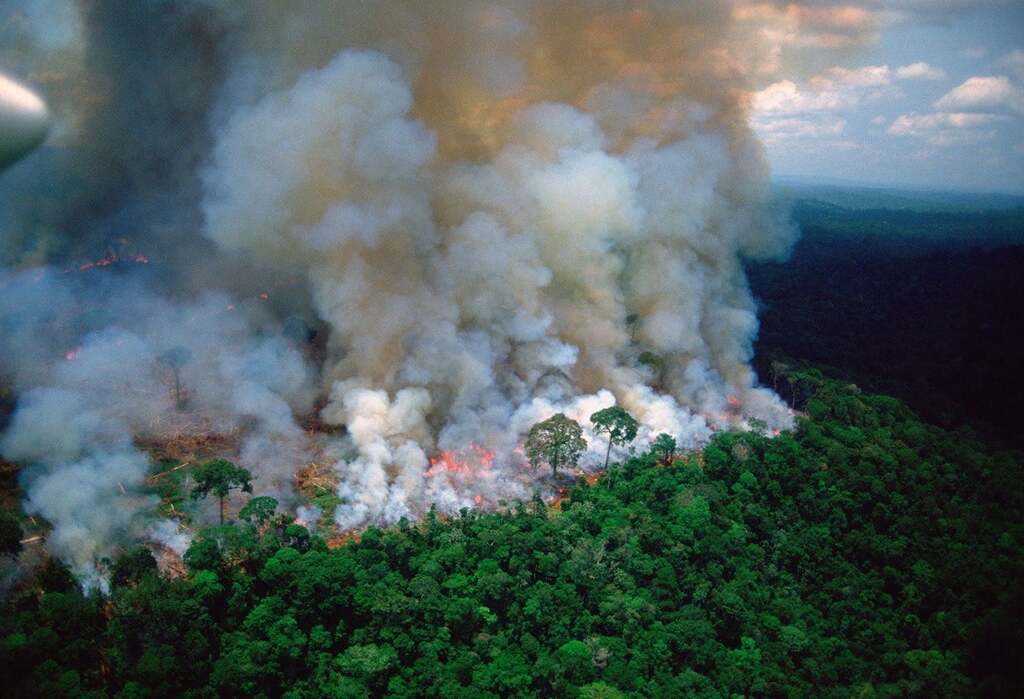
(664, 447)
(618, 424)
(557, 441)
(927, 308)
(865, 554)
(10, 534)
(258, 510)
(600, 690)
(167, 481)
(133, 566)
(55, 576)
(219, 477)
(365, 661)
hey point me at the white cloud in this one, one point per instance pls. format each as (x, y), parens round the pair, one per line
(810, 112)
(867, 76)
(975, 52)
(878, 120)
(946, 128)
(995, 93)
(835, 89)
(920, 70)
(784, 97)
(808, 25)
(773, 131)
(914, 124)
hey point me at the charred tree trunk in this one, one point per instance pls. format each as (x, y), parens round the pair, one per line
(177, 389)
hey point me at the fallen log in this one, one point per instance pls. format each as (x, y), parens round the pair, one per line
(150, 479)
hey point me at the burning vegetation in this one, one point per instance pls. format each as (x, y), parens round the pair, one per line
(379, 265)
(402, 275)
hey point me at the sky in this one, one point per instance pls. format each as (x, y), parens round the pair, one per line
(921, 93)
(915, 93)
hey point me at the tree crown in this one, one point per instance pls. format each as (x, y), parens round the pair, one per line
(664, 444)
(617, 423)
(259, 510)
(556, 441)
(219, 477)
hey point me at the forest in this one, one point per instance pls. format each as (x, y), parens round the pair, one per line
(511, 348)
(864, 554)
(873, 551)
(926, 305)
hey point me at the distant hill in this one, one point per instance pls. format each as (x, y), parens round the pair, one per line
(906, 230)
(855, 196)
(924, 305)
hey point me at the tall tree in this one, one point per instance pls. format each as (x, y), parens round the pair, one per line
(220, 477)
(175, 359)
(618, 424)
(557, 441)
(664, 446)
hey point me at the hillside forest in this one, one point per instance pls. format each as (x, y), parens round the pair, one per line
(873, 551)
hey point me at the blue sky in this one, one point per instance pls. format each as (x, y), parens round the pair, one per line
(916, 93)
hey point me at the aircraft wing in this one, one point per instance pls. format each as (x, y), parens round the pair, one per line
(24, 120)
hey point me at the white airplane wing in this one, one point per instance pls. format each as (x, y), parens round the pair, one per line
(24, 120)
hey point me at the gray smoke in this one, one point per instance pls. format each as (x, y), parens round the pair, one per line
(498, 211)
(100, 394)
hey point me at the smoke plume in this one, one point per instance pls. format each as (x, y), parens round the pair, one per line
(496, 211)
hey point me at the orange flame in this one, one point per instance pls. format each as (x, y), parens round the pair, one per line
(111, 259)
(485, 457)
(448, 462)
(463, 462)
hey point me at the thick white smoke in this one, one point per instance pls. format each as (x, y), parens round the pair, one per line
(489, 246)
(98, 399)
(498, 210)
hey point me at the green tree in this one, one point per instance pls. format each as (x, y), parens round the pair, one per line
(220, 477)
(55, 576)
(133, 566)
(576, 660)
(702, 580)
(600, 690)
(557, 441)
(618, 424)
(10, 534)
(258, 510)
(664, 447)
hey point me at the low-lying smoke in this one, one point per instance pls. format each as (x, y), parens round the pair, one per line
(112, 386)
(498, 211)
